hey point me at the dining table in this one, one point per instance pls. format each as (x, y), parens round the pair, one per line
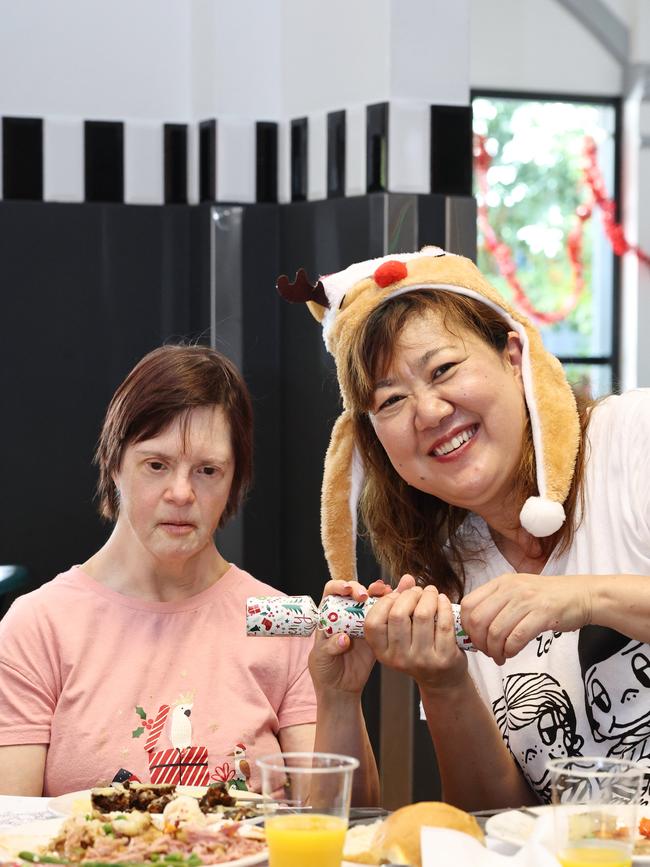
(17, 810)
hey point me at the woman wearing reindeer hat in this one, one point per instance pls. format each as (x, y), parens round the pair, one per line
(480, 480)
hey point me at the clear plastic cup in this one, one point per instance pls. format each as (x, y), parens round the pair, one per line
(595, 804)
(306, 803)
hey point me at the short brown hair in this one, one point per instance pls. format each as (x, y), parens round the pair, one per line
(167, 384)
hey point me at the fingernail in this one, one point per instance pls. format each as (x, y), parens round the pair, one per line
(362, 596)
(341, 640)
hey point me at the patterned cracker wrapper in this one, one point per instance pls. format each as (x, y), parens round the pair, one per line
(281, 615)
(343, 614)
(299, 615)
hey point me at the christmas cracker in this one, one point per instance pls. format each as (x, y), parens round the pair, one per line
(300, 616)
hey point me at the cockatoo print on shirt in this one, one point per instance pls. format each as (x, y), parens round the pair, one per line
(170, 754)
(180, 724)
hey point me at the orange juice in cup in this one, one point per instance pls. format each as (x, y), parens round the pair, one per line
(594, 810)
(309, 839)
(306, 803)
(588, 856)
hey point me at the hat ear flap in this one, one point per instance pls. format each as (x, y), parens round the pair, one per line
(555, 428)
(317, 310)
(342, 481)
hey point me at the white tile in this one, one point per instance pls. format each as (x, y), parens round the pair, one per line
(193, 163)
(284, 161)
(409, 147)
(355, 151)
(235, 160)
(317, 156)
(144, 169)
(63, 159)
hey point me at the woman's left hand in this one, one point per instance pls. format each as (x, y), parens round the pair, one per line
(502, 616)
(339, 663)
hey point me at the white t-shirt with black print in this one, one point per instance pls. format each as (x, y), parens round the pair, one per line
(586, 692)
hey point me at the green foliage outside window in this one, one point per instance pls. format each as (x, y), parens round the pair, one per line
(535, 186)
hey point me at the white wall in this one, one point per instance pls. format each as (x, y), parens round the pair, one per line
(235, 64)
(184, 60)
(355, 52)
(334, 54)
(536, 45)
(430, 51)
(96, 60)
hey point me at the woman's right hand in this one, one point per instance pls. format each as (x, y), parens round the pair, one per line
(412, 630)
(338, 663)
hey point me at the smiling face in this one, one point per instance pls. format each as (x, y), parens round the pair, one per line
(616, 691)
(173, 488)
(450, 413)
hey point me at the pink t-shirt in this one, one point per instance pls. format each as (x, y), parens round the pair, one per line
(171, 691)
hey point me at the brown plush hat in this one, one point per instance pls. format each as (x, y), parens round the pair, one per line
(343, 301)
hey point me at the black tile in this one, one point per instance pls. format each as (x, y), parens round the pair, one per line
(208, 161)
(22, 161)
(299, 163)
(335, 154)
(175, 163)
(377, 147)
(104, 160)
(451, 150)
(266, 150)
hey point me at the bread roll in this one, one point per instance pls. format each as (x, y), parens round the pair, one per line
(398, 837)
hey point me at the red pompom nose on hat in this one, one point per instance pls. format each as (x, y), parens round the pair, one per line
(389, 272)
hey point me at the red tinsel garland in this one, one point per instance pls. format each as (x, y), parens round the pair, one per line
(503, 254)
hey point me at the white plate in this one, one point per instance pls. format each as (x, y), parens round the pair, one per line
(78, 803)
(515, 827)
(27, 837)
(32, 835)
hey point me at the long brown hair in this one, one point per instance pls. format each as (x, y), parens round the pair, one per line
(166, 385)
(410, 530)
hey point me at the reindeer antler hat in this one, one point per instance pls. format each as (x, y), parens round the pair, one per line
(343, 301)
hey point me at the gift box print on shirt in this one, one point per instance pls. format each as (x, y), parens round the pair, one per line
(172, 757)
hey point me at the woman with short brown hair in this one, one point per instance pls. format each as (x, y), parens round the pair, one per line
(136, 663)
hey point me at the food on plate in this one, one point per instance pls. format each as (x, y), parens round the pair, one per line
(216, 796)
(182, 836)
(132, 796)
(153, 798)
(397, 838)
(642, 845)
(359, 845)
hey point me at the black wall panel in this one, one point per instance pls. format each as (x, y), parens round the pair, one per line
(22, 159)
(104, 161)
(89, 289)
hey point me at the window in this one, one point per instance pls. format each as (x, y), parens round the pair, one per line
(532, 184)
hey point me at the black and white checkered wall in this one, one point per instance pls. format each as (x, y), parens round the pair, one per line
(394, 147)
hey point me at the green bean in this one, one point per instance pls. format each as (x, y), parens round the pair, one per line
(41, 859)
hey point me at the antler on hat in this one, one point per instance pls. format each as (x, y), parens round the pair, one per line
(343, 301)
